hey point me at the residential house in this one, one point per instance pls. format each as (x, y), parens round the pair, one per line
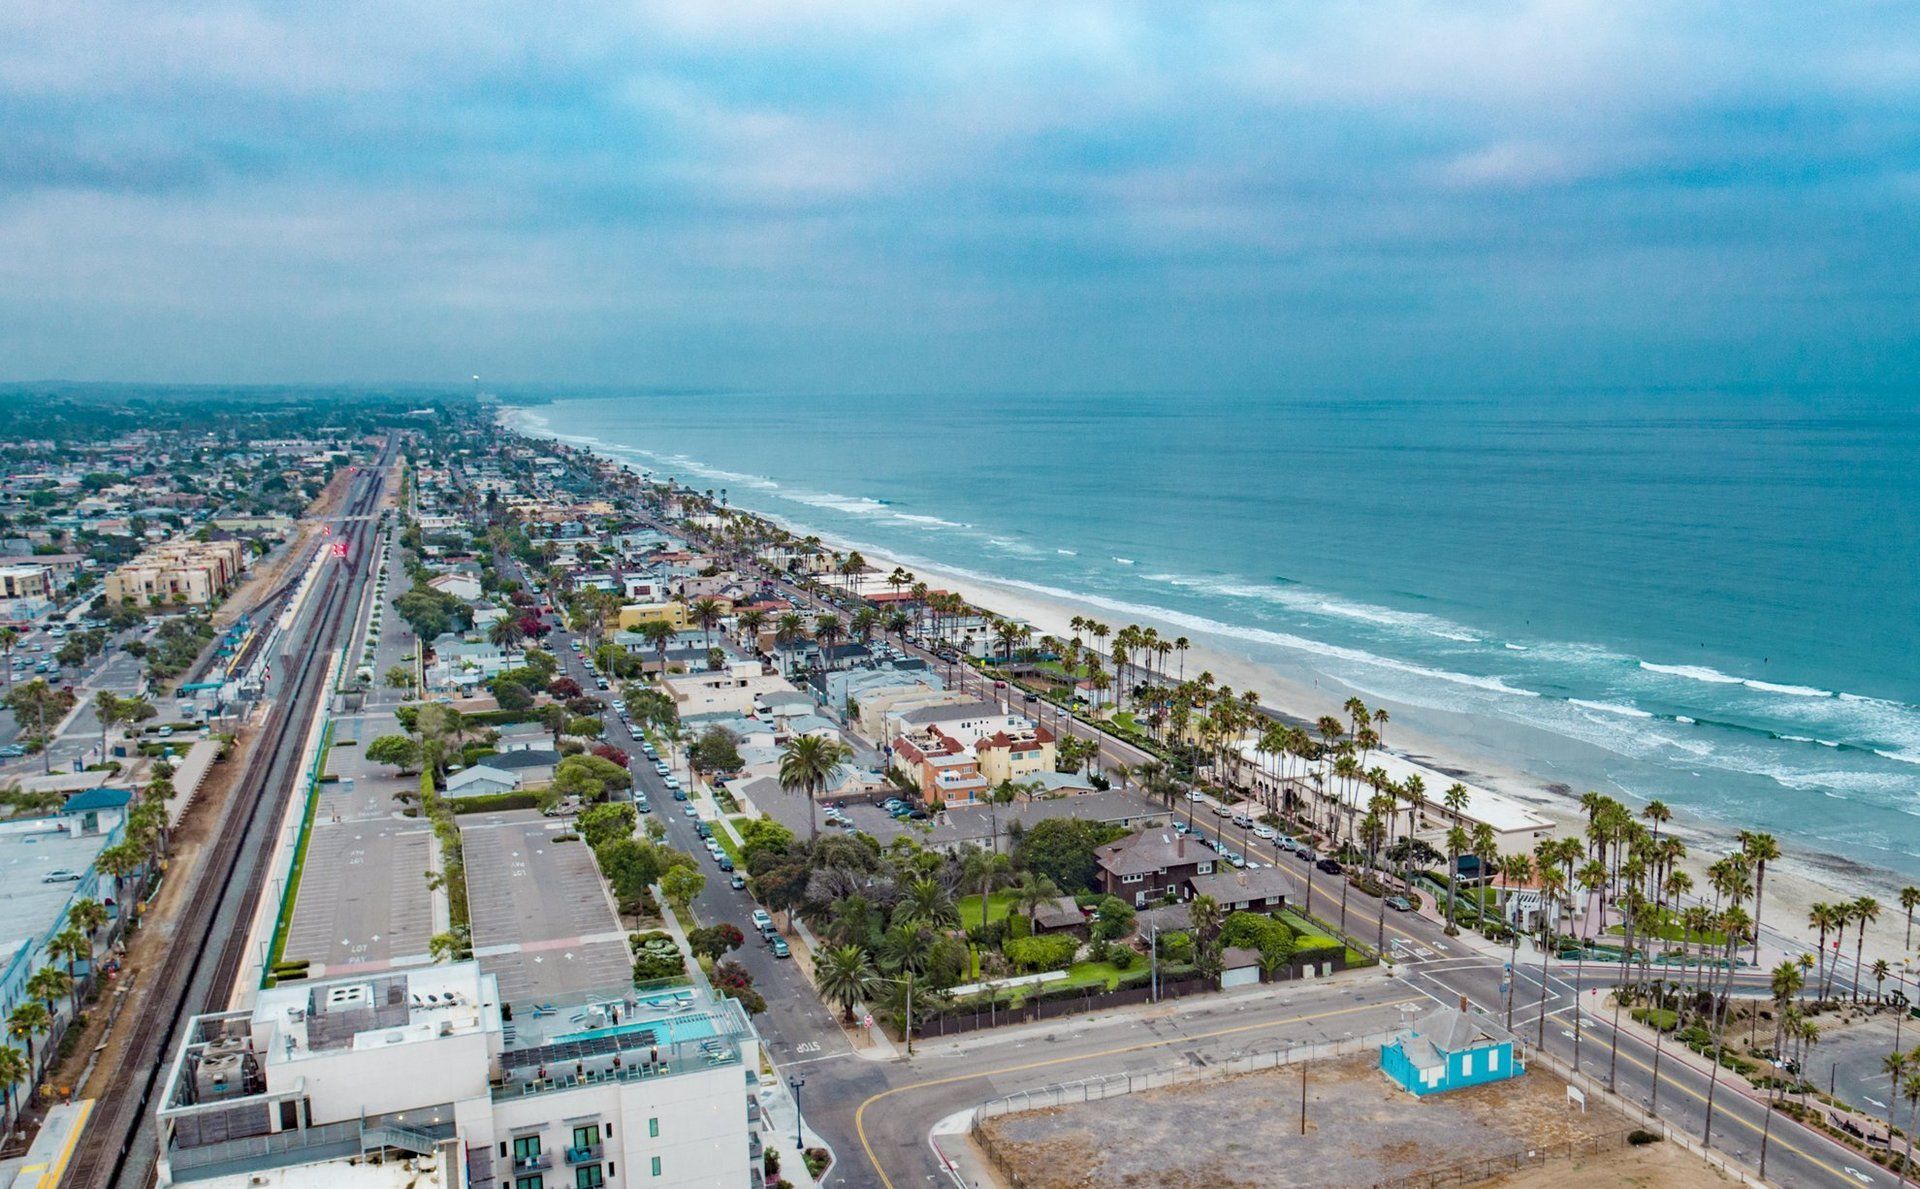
(481, 780)
(1250, 889)
(1151, 865)
(1015, 754)
(1449, 1049)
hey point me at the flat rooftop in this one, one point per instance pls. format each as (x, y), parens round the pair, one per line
(542, 920)
(28, 904)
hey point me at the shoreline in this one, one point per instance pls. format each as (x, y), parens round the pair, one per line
(1794, 883)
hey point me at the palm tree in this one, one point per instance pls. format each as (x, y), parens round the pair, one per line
(929, 903)
(1909, 900)
(14, 1069)
(89, 914)
(850, 921)
(827, 629)
(9, 637)
(706, 612)
(807, 762)
(749, 623)
(987, 870)
(506, 633)
(27, 1021)
(1032, 891)
(48, 984)
(845, 976)
(1787, 981)
(1862, 912)
(1894, 1065)
(905, 947)
(1203, 913)
(71, 946)
(1822, 917)
(1760, 849)
(1910, 1090)
(1456, 842)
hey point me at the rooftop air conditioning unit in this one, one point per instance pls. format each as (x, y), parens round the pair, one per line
(220, 1077)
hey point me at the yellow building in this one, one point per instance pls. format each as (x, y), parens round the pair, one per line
(178, 571)
(1015, 755)
(634, 614)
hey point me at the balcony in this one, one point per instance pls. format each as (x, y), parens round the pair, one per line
(526, 1164)
(587, 1155)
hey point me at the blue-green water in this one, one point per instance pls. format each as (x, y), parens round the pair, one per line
(1709, 598)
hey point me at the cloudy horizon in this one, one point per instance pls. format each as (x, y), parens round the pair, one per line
(864, 196)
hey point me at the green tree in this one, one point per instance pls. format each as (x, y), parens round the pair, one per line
(601, 823)
(681, 885)
(844, 976)
(14, 1069)
(1032, 892)
(28, 1020)
(716, 750)
(398, 750)
(807, 763)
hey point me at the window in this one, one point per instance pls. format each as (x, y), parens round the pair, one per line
(533, 1182)
(653, 1127)
(526, 1147)
(656, 1166)
(1131, 878)
(588, 1176)
(587, 1137)
(1204, 869)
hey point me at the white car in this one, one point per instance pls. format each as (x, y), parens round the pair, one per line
(1263, 832)
(1196, 795)
(1221, 811)
(761, 920)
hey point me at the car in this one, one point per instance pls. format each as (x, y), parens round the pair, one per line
(690, 811)
(1399, 904)
(61, 875)
(12, 750)
(642, 805)
(762, 919)
(164, 732)
(646, 749)
(738, 882)
(1195, 795)
(1263, 831)
(1243, 821)
(574, 644)
(704, 830)
(1330, 866)
(1235, 858)
(1182, 828)
(601, 683)
(1222, 811)
(779, 947)
(672, 782)
(726, 864)
(660, 766)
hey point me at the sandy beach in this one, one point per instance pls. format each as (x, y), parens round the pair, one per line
(1793, 884)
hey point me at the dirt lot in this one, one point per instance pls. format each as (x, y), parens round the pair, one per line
(1362, 1130)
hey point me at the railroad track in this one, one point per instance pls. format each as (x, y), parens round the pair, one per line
(208, 950)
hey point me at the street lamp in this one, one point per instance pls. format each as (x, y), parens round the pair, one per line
(793, 1085)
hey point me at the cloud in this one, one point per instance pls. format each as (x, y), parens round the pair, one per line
(859, 195)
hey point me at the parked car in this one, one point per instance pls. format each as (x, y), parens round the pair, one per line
(738, 882)
(779, 947)
(1196, 795)
(689, 810)
(660, 767)
(679, 794)
(1222, 811)
(642, 805)
(726, 864)
(704, 830)
(61, 875)
(762, 919)
(1399, 904)
(1330, 866)
(1243, 821)
(1263, 831)
(12, 750)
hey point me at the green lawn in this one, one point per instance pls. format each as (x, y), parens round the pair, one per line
(1670, 929)
(1104, 975)
(1127, 722)
(724, 837)
(998, 906)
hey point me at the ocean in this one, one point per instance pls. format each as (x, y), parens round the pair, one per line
(1710, 598)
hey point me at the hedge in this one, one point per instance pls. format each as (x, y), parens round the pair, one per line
(493, 803)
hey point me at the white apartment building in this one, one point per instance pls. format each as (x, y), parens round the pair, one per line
(355, 1079)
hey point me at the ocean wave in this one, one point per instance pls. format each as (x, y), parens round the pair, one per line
(1125, 561)
(1303, 599)
(1068, 552)
(1611, 708)
(1693, 673)
(928, 521)
(1792, 691)
(1715, 677)
(852, 505)
(1900, 756)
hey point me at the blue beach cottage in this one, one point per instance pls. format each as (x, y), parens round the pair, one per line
(1448, 1049)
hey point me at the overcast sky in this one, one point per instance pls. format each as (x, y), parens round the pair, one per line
(1043, 196)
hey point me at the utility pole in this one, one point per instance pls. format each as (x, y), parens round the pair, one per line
(1303, 1097)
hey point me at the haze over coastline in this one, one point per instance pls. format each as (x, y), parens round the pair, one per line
(1633, 593)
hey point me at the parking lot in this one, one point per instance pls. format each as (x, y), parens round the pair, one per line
(972, 824)
(542, 921)
(363, 904)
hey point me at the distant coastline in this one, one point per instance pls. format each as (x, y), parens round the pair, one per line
(1807, 874)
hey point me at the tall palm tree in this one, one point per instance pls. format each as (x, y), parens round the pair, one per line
(48, 984)
(929, 903)
(707, 612)
(845, 976)
(1862, 912)
(27, 1021)
(71, 946)
(1909, 900)
(1760, 849)
(987, 870)
(9, 638)
(1787, 981)
(1910, 1090)
(506, 633)
(748, 623)
(1032, 891)
(14, 1069)
(89, 914)
(1822, 916)
(807, 762)
(827, 629)
(1456, 843)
